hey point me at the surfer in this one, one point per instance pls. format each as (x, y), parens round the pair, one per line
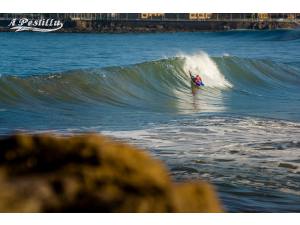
(196, 79)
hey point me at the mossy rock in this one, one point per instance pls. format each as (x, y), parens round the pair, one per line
(91, 173)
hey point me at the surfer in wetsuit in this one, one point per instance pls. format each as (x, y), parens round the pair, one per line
(197, 79)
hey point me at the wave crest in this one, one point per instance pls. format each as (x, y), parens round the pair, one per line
(162, 84)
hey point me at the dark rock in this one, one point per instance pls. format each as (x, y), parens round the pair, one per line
(91, 173)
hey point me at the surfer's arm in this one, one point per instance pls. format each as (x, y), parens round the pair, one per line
(191, 75)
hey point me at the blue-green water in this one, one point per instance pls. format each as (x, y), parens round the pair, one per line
(241, 131)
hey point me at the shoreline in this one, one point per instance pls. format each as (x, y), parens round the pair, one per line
(138, 26)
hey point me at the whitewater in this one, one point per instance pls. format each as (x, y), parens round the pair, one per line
(240, 131)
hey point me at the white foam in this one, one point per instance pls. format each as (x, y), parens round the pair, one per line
(200, 63)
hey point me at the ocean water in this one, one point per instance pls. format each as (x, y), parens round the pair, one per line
(241, 131)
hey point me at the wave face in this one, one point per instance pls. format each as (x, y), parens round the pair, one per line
(162, 85)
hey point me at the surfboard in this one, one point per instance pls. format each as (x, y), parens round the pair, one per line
(195, 84)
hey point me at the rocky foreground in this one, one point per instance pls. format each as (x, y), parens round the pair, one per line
(91, 173)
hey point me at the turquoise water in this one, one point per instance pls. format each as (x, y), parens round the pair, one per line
(241, 131)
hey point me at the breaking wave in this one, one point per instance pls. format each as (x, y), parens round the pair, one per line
(162, 84)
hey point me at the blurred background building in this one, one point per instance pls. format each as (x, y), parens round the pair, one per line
(159, 16)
